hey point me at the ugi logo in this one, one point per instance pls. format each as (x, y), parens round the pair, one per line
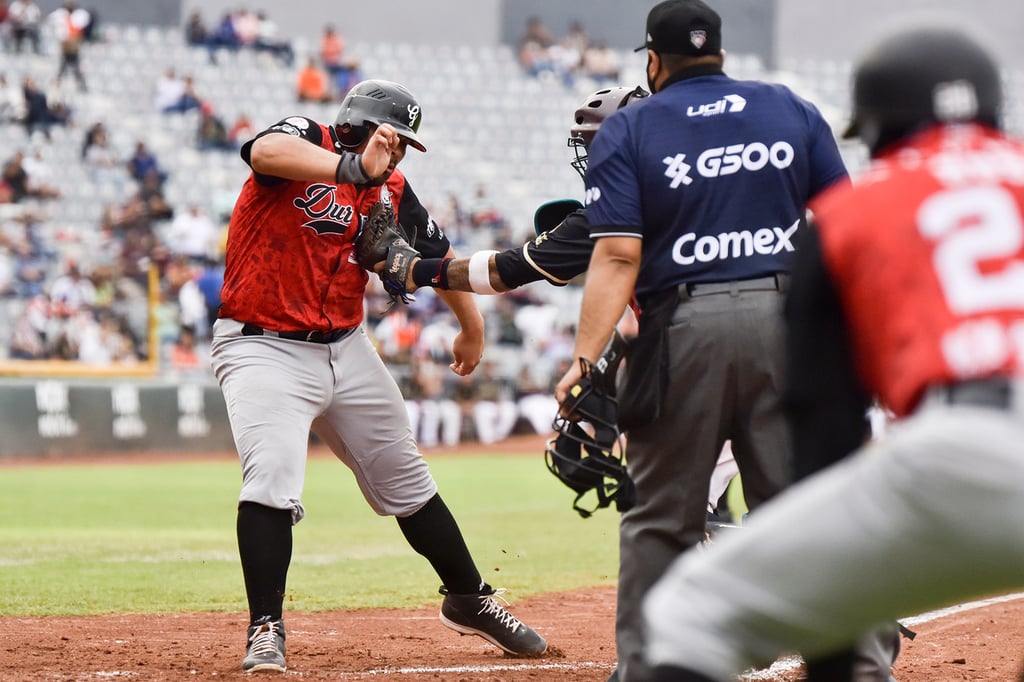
(414, 113)
(728, 104)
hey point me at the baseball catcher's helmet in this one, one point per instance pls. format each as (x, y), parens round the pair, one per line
(920, 76)
(377, 102)
(592, 113)
(586, 455)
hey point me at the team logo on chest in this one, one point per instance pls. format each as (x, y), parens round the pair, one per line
(326, 215)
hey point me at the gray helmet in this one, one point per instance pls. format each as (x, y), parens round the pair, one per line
(377, 102)
(935, 74)
(592, 113)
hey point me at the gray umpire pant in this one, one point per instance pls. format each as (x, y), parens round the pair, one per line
(725, 378)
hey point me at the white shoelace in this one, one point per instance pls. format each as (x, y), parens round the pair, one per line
(490, 605)
(264, 639)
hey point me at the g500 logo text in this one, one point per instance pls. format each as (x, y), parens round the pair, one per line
(718, 161)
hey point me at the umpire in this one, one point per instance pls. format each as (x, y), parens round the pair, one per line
(696, 197)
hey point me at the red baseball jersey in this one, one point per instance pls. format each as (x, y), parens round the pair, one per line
(927, 253)
(290, 257)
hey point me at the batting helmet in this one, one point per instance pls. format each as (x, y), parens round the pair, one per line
(592, 113)
(376, 102)
(920, 76)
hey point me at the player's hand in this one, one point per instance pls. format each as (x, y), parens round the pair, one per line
(468, 350)
(377, 154)
(570, 379)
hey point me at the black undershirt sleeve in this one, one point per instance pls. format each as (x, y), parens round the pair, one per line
(824, 400)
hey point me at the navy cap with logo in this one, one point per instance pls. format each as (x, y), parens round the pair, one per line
(688, 27)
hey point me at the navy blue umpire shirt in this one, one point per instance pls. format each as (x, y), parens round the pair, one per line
(713, 174)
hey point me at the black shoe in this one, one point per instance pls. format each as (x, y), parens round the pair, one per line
(481, 614)
(265, 647)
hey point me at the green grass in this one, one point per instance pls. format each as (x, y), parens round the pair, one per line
(160, 538)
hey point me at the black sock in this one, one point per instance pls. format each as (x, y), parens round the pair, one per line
(265, 547)
(668, 673)
(433, 532)
(837, 667)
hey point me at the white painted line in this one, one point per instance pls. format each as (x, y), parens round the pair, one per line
(486, 668)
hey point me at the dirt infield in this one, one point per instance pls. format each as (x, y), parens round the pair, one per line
(983, 641)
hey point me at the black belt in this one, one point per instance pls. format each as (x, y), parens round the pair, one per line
(992, 392)
(314, 336)
(776, 282)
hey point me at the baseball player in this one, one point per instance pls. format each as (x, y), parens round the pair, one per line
(291, 355)
(910, 289)
(695, 197)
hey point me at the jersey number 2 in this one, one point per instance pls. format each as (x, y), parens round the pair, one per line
(973, 225)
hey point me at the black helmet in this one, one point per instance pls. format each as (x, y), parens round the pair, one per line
(592, 113)
(377, 102)
(920, 76)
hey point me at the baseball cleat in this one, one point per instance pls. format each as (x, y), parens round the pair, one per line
(265, 648)
(483, 615)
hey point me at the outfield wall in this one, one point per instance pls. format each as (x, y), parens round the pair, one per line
(57, 416)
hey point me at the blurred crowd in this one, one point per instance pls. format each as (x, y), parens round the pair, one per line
(89, 297)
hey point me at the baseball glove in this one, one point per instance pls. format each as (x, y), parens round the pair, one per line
(381, 240)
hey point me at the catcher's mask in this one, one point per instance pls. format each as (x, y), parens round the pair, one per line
(586, 455)
(591, 114)
(376, 102)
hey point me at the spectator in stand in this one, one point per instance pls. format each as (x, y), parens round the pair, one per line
(92, 134)
(103, 162)
(40, 176)
(25, 17)
(12, 101)
(534, 48)
(168, 90)
(269, 40)
(210, 282)
(242, 130)
(487, 400)
(535, 400)
(37, 109)
(247, 26)
(196, 33)
(332, 51)
(224, 36)
(69, 23)
(601, 63)
(344, 79)
(72, 290)
(182, 356)
(16, 177)
(152, 196)
(311, 83)
(576, 37)
(212, 134)
(192, 234)
(440, 419)
(188, 100)
(28, 338)
(5, 24)
(142, 162)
